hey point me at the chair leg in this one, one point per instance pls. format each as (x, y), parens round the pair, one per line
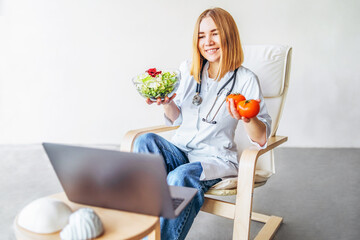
(258, 217)
(268, 231)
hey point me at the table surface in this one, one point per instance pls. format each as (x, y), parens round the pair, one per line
(117, 224)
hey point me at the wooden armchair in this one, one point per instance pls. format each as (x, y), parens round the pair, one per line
(271, 63)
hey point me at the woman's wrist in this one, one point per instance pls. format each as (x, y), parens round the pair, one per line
(256, 130)
(171, 110)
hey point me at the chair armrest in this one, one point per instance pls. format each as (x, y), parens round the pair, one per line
(129, 138)
(248, 160)
(273, 142)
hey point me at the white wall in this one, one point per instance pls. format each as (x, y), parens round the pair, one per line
(66, 66)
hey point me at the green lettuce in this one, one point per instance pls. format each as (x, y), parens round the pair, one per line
(155, 87)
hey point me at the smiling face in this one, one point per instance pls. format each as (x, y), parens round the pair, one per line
(209, 41)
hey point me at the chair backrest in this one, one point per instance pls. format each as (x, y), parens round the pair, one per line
(271, 63)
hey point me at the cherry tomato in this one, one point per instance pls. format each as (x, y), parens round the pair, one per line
(237, 98)
(248, 108)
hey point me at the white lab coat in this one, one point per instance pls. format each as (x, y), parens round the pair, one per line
(212, 144)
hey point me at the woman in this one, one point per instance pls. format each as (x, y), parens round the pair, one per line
(202, 150)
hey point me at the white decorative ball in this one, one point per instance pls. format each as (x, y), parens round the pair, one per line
(83, 224)
(44, 215)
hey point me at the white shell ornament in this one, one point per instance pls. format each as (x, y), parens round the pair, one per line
(44, 215)
(83, 224)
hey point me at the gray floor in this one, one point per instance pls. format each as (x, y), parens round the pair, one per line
(315, 190)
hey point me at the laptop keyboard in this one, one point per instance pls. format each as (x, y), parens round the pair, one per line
(176, 202)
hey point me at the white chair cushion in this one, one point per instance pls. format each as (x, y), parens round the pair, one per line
(231, 183)
(267, 62)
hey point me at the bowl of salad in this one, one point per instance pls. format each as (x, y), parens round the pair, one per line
(155, 84)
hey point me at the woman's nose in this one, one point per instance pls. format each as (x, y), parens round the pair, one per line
(209, 41)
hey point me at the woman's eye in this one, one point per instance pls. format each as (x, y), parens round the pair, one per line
(201, 36)
(215, 34)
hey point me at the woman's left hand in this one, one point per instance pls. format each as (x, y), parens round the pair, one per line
(230, 106)
(255, 128)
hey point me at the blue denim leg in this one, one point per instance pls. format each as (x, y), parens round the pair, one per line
(187, 175)
(180, 173)
(153, 143)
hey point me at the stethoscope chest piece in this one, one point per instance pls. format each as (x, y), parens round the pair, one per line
(197, 99)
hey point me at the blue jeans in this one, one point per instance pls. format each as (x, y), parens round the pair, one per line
(180, 173)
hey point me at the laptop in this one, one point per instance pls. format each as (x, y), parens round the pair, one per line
(133, 182)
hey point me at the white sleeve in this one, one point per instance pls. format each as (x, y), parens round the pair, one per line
(252, 90)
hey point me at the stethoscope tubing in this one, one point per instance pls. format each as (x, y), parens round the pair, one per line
(199, 99)
(198, 85)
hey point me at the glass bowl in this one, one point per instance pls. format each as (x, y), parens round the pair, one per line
(164, 84)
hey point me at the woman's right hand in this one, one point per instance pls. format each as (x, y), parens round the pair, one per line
(166, 100)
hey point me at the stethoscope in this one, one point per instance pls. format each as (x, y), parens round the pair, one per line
(197, 100)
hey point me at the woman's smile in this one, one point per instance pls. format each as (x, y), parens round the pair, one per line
(212, 50)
